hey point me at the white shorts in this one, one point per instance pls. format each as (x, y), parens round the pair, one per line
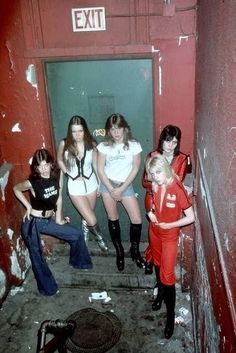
(82, 187)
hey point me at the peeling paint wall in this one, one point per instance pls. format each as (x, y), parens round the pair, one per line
(19, 257)
(212, 315)
(208, 337)
(22, 130)
(4, 176)
(14, 259)
(215, 152)
(3, 283)
(186, 257)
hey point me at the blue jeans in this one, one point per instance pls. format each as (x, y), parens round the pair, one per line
(79, 256)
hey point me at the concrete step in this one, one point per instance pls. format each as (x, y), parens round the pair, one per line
(104, 273)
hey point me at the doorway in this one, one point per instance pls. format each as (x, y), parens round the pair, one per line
(95, 89)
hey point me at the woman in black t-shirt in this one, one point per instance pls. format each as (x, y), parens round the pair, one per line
(44, 216)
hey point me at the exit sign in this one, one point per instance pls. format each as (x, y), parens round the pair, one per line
(88, 19)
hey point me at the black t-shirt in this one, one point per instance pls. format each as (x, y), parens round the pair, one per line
(46, 193)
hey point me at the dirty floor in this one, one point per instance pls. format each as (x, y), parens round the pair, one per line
(129, 298)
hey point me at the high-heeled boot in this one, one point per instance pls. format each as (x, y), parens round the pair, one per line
(156, 305)
(95, 230)
(135, 236)
(148, 268)
(85, 230)
(158, 291)
(170, 297)
(114, 229)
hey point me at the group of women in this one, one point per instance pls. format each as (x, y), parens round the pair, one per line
(109, 169)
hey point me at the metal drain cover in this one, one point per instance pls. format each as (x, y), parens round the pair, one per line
(95, 332)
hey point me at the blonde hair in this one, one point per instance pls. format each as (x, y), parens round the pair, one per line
(161, 163)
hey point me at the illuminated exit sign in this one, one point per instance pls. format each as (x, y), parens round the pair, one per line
(88, 19)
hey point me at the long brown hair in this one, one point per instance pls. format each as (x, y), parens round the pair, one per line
(39, 156)
(70, 144)
(118, 120)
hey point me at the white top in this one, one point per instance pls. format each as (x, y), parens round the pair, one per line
(119, 161)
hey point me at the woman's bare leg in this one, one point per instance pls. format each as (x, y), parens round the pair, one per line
(110, 206)
(131, 205)
(85, 206)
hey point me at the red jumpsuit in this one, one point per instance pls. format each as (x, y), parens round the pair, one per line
(179, 164)
(164, 242)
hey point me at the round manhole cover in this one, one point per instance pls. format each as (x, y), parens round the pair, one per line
(95, 332)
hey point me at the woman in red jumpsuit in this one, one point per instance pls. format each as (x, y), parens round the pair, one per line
(169, 208)
(169, 147)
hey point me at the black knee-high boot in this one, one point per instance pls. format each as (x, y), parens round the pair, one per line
(148, 268)
(135, 236)
(160, 288)
(170, 297)
(114, 229)
(95, 230)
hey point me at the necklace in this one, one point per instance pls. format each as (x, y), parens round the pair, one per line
(169, 158)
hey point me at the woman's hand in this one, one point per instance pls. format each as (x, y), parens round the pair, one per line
(63, 221)
(116, 194)
(164, 225)
(27, 213)
(183, 221)
(152, 217)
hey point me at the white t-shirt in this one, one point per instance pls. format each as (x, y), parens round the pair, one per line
(119, 161)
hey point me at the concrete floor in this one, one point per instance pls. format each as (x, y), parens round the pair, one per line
(131, 297)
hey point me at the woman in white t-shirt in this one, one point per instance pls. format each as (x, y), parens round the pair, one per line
(119, 158)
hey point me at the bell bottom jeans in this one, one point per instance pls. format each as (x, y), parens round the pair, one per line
(79, 256)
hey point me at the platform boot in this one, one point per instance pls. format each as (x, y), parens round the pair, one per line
(95, 230)
(135, 236)
(85, 230)
(158, 292)
(114, 229)
(170, 297)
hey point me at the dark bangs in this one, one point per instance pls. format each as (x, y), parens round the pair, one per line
(39, 156)
(167, 134)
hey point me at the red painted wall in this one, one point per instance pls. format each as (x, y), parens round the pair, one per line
(216, 183)
(22, 128)
(33, 31)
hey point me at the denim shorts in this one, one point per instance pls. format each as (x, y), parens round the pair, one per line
(129, 191)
